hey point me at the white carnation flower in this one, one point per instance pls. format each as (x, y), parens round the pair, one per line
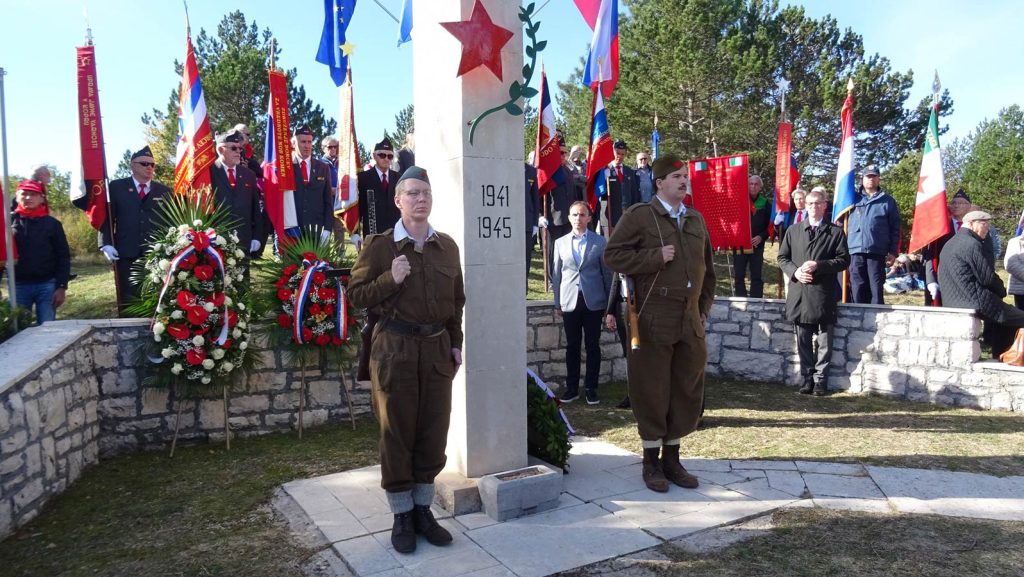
(243, 345)
(237, 333)
(169, 250)
(239, 253)
(177, 368)
(177, 314)
(217, 354)
(167, 353)
(241, 306)
(208, 364)
(198, 340)
(205, 380)
(239, 278)
(226, 367)
(172, 229)
(241, 324)
(182, 275)
(228, 301)
(158, 328)
(208, 307)
(182, 228)
(232, 262)
(156, 338)
(197, 222)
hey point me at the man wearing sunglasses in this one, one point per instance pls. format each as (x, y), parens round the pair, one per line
(377, 210)
(234, 186)
(132, 218)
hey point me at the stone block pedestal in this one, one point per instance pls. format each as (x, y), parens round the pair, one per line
(520, 492)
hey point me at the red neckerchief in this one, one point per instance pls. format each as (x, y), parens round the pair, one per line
(38, 212)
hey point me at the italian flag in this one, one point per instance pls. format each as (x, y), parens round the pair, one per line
(931, 215)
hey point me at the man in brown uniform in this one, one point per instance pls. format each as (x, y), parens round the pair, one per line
(411, 276)
(666, 248)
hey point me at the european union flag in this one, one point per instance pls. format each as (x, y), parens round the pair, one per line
(334, 48)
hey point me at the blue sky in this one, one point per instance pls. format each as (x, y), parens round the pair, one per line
(975, 46)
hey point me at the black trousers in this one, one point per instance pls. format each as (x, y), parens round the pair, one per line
(755, 261)
(814, 345)
(582, 325)
(1018, 301)
(867, 278)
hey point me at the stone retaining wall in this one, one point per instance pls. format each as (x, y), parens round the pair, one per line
(69, 395)
(916, 353)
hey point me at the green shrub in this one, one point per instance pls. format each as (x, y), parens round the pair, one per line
(7, 316)
(81, 235)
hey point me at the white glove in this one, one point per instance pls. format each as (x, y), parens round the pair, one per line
(542, 222)
(933, 288)
(535, 231)
(356, 240)
(325, 235)
(254, 245)
(110, 252)
(780, 218)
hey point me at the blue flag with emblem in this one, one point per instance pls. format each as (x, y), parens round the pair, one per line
(334, 49)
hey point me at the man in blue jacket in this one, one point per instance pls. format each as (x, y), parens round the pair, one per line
(874, 237)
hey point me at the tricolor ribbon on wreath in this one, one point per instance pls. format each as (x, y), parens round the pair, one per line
(551, 395)
(199, 242)
(302, 301)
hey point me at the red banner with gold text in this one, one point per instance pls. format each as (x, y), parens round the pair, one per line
(720, 192)
(783, 167)
(90, 136)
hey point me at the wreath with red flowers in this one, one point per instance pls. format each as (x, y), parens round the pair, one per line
(311, 317)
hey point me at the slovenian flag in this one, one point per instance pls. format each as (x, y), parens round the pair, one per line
(603, 60)
(334, 48)
(846, 193)
(195, 151)
(600, 154)
(931, 215)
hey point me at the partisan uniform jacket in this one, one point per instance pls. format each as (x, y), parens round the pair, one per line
(688, 279)
(243, 200)
(132, 218)
(817, 302)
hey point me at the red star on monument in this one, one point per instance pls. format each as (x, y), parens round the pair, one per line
(482, 41)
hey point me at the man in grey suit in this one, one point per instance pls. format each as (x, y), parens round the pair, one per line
(581, 282)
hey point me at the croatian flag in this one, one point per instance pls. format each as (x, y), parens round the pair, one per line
(195, 151)
(846, 194)
(603, 61)
(271, 181)
(600, 154)
(334, 48)
(548, 155)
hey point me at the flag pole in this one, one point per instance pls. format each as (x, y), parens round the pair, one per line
(846, 218)
(7, 206)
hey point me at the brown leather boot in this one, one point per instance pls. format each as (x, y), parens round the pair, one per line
(403, 533)
(674, 470)
(425, 524)
(653, 477)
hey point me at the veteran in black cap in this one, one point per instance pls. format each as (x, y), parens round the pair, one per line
(132, 217)
(234, 186)
(377, 209)
(666, 248)
(623, 189)
(410, 276)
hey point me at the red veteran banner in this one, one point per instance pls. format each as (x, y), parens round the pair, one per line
(720, 193)
(783, 167)
(90, 136)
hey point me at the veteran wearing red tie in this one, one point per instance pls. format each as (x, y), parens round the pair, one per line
(377, 211)
(133, 204)
(313, 199)
(234, 186)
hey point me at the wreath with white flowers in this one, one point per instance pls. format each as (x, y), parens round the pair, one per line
(193, 289)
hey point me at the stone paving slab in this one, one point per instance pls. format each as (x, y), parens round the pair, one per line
(605, 511)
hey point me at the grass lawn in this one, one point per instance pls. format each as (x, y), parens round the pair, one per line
(206, 511)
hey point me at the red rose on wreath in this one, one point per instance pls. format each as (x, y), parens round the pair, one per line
(226, 345)
(284, 321)
(186, 299)
(200, 240)
(314, 309)
(201, 331)
(329, 310)
(310, 256)
(197, 315)
(203, 272)
(195, 356)
(179, 332)
(290, 270)
(326, 294)
(232, 318)
(319, 277)
(322, 340)
(336, 340)
(307, 334)
(284, 294)
(281, 282)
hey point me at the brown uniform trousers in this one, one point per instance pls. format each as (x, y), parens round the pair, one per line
(411, 375)
(666, 374)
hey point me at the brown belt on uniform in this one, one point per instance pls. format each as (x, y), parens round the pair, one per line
(411, 329)
(673, 292)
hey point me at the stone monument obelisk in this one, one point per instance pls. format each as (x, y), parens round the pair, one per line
(478, 200)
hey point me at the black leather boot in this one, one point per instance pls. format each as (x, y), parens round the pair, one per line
(674, 470)
(820, 388)
(808, 386)
(654, 478)
(425, 524)
(403, 533)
